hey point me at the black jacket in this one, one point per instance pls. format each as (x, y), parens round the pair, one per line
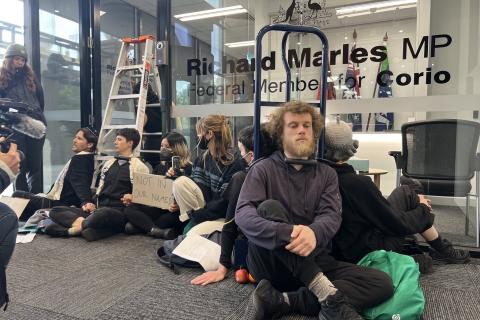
(76, 185)
(17, 90)
(369, 221)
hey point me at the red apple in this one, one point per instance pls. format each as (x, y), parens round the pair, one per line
(241, 276)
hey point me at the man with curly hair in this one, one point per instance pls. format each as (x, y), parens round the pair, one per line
(290, 212)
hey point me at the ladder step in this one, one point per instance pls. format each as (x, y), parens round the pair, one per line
(151, 75)
(151, 134)
(119, 126)
(125, 96)
(150, 151)
(130, 67)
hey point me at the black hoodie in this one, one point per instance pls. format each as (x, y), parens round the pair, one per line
(310, 195)
(369, 221)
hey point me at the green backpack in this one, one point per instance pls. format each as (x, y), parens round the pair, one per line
(407, 301)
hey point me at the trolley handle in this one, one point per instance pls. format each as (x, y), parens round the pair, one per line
(287, 28)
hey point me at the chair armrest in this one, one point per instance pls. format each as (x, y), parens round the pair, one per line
(398, 157)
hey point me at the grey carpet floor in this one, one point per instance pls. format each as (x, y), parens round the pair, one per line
(119, 278)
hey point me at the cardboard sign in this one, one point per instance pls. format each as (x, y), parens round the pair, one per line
(152, 190)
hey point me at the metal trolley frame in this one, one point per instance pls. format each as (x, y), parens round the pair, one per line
(287, 28)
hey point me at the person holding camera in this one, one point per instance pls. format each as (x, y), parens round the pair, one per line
(9, 167)
(19, 83)
(156, 222)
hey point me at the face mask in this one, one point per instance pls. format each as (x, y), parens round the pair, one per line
(165, 154)
(203, 143)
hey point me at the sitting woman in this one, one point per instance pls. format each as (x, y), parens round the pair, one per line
(199, 197)
(156, 222)
(230, 230)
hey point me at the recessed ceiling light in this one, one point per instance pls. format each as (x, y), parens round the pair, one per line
(374, 7)
(56, 11)
(240, 44)
(219, 12)
(401, 31)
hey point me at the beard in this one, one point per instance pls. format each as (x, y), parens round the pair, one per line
(299, 149)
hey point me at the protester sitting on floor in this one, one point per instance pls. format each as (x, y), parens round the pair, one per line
(199, 197)
(72, 187)
(230, 230)
(156, 222)
(113, 194)
(371, 222)
(289, 214)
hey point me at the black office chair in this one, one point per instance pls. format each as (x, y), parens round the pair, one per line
(442, 156)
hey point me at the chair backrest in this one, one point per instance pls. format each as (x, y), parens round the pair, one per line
(440, 149)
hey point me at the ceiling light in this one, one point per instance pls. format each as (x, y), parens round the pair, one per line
(226, 11)
(240, 44)
(102, 13)
(56, 11)
(367, 8)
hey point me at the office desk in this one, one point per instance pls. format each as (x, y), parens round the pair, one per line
(376, 173)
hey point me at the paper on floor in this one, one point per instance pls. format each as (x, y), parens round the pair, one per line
(199, 249)
(25, 238)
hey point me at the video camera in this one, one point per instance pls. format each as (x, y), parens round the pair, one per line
(18, 117)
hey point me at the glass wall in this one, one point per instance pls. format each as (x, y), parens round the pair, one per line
(389, 64)
(60, 73)
(199, 55)
(11, 25)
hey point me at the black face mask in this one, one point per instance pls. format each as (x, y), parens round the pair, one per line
(165, 154)
(203, 143)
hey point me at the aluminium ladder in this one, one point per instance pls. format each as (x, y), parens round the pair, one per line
(144, 71)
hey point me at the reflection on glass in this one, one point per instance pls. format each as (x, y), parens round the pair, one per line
(60, 71)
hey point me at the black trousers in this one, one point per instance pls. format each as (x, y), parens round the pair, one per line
(35, 203)
(403, 198)
(8, 235)
(146, 217)
(30, 175)
(288, 272)
(103, 222)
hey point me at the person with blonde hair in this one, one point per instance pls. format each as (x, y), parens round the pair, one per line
(157, 222)
(19, 83)
(289, 211)
(200, 196)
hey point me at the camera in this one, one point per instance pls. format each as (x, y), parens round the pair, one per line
(19, 117)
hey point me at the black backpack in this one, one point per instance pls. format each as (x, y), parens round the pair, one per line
(172, 261)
